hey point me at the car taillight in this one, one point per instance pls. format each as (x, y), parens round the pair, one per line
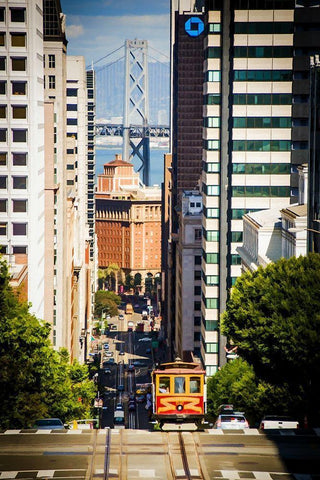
(219, 423)
(262, 426)
(246, 424)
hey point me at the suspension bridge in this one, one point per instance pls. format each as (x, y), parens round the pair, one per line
(132, 99)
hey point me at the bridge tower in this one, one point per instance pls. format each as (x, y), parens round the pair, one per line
(136, 105)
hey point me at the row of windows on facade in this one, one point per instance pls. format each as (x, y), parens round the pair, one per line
(17, 39)
(18, 159)
(253, 52)
(235, 237)
(19, 183)
(17, 206)
(250, 122)
(17, 228)
(15, 249)
(251, 99)
(254, 28)
(252, 168)
(17, 111)
(16, 14)
(252, 76)
(252, 145)
(17, 134)
(18, 64)
(17, 87)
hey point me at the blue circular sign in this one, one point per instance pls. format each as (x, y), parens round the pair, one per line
(194, 26)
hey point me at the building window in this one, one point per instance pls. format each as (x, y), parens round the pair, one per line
(213, 52)
(197, 306)
(214, 27)
(236, 237)
(2, 63)
(3, 111)
(17, 14)
(211, 280)
(263, 28)
(19, 249)
(196, 336)
(72, 121)
(19, 135)
(3, 87)
(2, 14)
(211, 212)
(72, 107)
(213, 76)
(212, 348)
(211, 145)
(52, 81)
(263, 52)
(211, 235)
(197, 321)
(197, 275)
(3, 205)
(3, 134)
(197, 260)
(19, 111)
(197, 234)
(19, 229)
(19, 205)
(52, 61)
(211, 190)
(211, 302)
(72, 92)
(19, 88)
(235, 259)
(197, 290)
(2, 39)
(237, 213)
(212, 99)
(211, 167)
(3, 229)
(262, 122)
(19, 159)
(3, 182)
(212, 325)
(18, 39)
(211, 257)
(262, 75)
(19, 183)
(18, 64)
(3, 159)
(211, 122)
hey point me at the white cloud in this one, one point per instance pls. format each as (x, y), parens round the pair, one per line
(74, 31)
(99, 35)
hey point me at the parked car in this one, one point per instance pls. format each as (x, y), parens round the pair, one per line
(278, 423)
(131, 368)
(48, 424)
(140, 398)
(121, 352)
(114, 327)
(120, 388)
(119, 407)
(145, 339)
(148, 350)
(110, 360)
(121, 316)
(132, 397)
(232, 421)
(107, 371)
(106, 346)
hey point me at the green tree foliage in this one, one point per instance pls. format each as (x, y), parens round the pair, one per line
(129, 282)
(273, 315)
(35, 380)
(106, 302)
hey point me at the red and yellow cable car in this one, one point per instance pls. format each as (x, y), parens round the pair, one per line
(179, 393)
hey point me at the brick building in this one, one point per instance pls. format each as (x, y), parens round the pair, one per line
(128, 221)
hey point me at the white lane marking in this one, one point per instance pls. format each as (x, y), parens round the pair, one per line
(99, 471)
(262, 475)
(45, 473)
(74, 432)
(194, 472)
(251, 431)
(8, 474)
(213, 431)
(180, 472)
(11, 432)
(231, 474)
(43, 432)
(113, 471)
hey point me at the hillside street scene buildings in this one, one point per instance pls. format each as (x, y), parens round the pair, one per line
(210, 274)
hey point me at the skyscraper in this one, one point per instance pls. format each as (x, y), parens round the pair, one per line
(255, 131)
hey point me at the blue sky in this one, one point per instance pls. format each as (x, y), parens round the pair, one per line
(96, 28)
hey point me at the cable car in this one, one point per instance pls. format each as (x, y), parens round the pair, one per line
(179, 395)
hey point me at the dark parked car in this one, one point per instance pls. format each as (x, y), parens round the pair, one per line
(131, 406)
(131, 368)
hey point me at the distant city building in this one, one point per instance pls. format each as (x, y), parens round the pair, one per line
(128, 221)
(188, 277)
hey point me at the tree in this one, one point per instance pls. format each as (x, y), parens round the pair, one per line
(129, 281)
(35, 380)
(273, 315)
(112, 271)
(102, 278)
(106, 301)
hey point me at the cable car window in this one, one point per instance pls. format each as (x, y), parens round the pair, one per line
(164, 384)
(179, 385)
(194, 385)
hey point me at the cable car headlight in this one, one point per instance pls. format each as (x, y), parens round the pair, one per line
(179, 408)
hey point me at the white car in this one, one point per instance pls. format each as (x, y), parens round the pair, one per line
(276, 422)
(145, 339)
(108, 354)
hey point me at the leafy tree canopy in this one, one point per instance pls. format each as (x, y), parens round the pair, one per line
(35, 380)
(106, 301)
